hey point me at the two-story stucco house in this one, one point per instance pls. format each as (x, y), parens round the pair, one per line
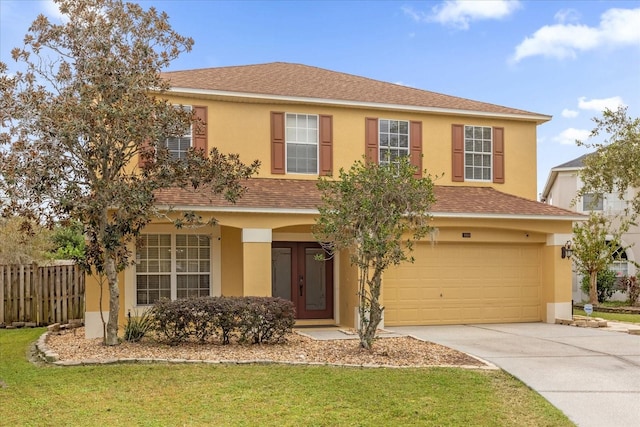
(561, 190)
(497, 253)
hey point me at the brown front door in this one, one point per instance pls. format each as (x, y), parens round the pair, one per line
(298, 276)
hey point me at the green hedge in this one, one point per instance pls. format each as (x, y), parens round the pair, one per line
(249, 319)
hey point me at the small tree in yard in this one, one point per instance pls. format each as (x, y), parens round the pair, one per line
(595, 246)
(376, 212)
(615, 166)
(74, 122)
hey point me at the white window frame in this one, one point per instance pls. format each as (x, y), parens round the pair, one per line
(174, 274)
(179, 153)
(291, 140)
(473, 140)
(386, 141)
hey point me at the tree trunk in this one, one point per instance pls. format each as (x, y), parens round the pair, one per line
(593, 287)
(114, 301)
(368, 333)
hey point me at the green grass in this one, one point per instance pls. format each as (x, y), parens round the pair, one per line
(620, 317)
(258, 395)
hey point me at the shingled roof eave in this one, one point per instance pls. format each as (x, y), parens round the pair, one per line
(537, 118)
(435, 213)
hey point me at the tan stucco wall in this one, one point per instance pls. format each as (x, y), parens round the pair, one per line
(231, 261)
(348, 291)
(244, 128)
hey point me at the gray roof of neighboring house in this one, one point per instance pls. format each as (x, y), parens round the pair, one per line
(575, 163)
(282, 81)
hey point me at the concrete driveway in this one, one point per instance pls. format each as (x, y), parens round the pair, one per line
(591, 375)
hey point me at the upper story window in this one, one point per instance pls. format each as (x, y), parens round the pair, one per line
(302, 143)
(477, 153)
(592, 202)
(387, 140)
(393, 140)
(610, 202)
(179, 146)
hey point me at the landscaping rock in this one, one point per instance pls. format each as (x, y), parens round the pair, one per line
(17, 324)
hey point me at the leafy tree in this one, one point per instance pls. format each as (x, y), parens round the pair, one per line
(596, 244)
(23, 241)
(376, 212)
(68, 241)
(606, 284)
(615, 165)
(88, 104)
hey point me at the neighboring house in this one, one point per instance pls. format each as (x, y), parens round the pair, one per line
(496, 257)
(561, 190)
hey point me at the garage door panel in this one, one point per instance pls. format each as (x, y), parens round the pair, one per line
(465, 283)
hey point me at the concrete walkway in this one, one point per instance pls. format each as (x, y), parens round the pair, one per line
(592, 375)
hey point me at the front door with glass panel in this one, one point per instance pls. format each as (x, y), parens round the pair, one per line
(298, 276)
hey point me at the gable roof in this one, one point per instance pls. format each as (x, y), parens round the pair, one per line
(268, 195)
(282, 81)
(575, 164)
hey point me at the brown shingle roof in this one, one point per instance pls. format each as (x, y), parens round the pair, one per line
(265, 194)
(297, 80)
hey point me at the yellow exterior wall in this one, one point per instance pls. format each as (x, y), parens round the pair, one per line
(231, 261)
(256, 269)
(348, 292)
(244, 128)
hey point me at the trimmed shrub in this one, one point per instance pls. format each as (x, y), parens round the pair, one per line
(265, 319)
(172, 320)
(632, 288)
(606, 281)
(253, 319)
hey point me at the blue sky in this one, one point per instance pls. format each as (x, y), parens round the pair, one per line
(568, 59)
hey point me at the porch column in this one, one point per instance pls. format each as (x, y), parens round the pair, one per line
(256, 265)
(556, 280)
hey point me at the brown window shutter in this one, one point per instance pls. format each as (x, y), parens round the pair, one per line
(457, 153)
(277, 143)
(143, 154)
(498, 155)
(415, 147)
(371, 139)
(200, 128)
(326, 145)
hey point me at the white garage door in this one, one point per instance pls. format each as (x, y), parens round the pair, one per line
(464, 283)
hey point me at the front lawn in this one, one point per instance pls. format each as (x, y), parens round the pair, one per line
(260, 395)
(619, 317)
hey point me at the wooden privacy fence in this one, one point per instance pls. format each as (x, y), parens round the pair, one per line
(41, 294)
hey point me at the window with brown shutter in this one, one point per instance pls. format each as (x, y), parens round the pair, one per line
(301, 143)
(326, 145)
(277, 142)
(477, 153)
(498, 155)
(415, 145)
(371, 139)
(200, 128)
(457, 153)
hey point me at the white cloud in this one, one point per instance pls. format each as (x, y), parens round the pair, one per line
(600, 104)
(617, 27)
(459, 13)
(569, 136)
(570, 114)
(567, 15)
